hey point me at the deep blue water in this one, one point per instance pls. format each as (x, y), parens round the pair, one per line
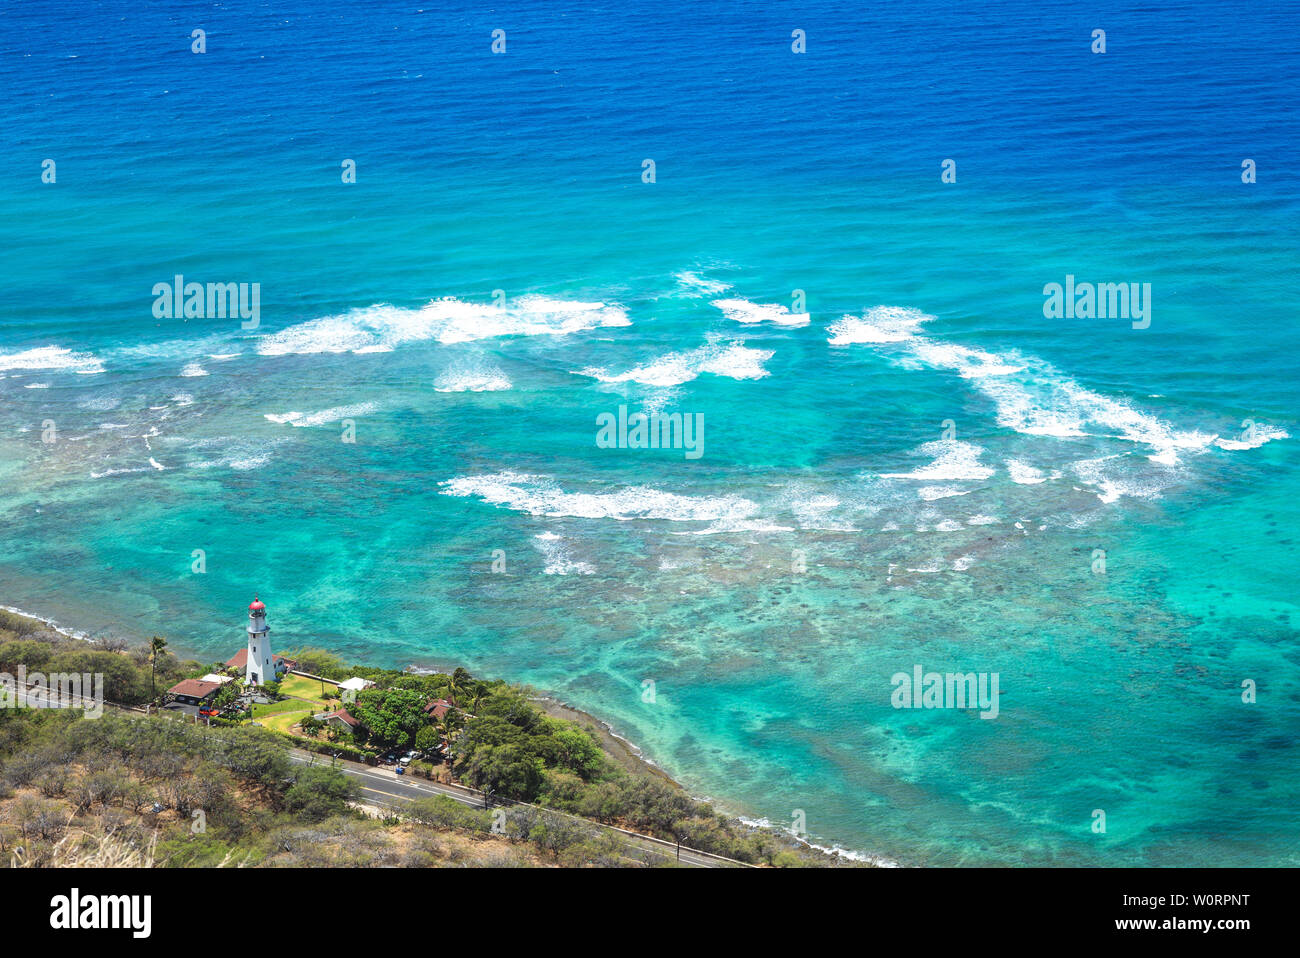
(834, 532)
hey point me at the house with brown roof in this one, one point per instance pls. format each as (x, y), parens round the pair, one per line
(193, 691)
(340, 717)
(437, 708)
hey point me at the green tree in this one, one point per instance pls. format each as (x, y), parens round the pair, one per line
(391, 716)
(428, 739)
(122, 682)
(509, 770)
(226, 695)
(458, 684)
(573, 748)
(320, 792)
(157, 645)
(26, 652)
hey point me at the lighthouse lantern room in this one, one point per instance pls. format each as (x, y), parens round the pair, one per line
(260, 667)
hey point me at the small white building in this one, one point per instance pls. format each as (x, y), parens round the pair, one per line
(214, 677)
(352, 686)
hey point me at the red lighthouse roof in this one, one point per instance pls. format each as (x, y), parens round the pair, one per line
(257, 605)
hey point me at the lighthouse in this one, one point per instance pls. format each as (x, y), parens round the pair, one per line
(260, 666)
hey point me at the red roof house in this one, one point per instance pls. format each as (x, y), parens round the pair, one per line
(437, 708)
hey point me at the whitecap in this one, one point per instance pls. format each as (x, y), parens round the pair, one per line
(559, 560)
(333, 414)
(880, 324)
(1030, 396)
(743, 311)
(53, 358)
(1026, 475)
(953, 460)
(730, 360)
(475, 379)
(542, 496)
(380, 327)
(1252, 439)
(693, 284)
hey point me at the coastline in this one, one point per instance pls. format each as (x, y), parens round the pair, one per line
(622, 751)
(625, 753)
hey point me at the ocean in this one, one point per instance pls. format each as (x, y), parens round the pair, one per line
(835, 262)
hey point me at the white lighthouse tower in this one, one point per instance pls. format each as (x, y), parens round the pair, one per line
(260, 667)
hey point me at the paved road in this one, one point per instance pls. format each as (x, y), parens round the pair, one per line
(387, 789)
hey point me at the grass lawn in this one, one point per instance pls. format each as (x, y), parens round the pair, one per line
(284, 721)
(275, 708)
(303, 688)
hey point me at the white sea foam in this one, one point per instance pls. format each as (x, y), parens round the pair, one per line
(1027, 475)
(1260, 434)
(954, 460)
(117, 472)
(559, 560)
(183, 399)
(1111, 479)
(813, 510)
(743, 311)
(333, 414)
(880, 324)
(193, 369)
(1031, 397)
(37, 386)
(381, 327)
(100, 403)
(732, 360)
(240, 453)
(53, 358)
(473, 379)
(692, 284)
(931, 493)
(224, 357)
(542, 496)
(236, 461)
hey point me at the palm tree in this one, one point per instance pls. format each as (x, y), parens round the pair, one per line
(480, 690)
(458, 682)
(156, 646)
(447, 727)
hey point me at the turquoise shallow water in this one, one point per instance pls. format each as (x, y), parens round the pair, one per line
(824, 439)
